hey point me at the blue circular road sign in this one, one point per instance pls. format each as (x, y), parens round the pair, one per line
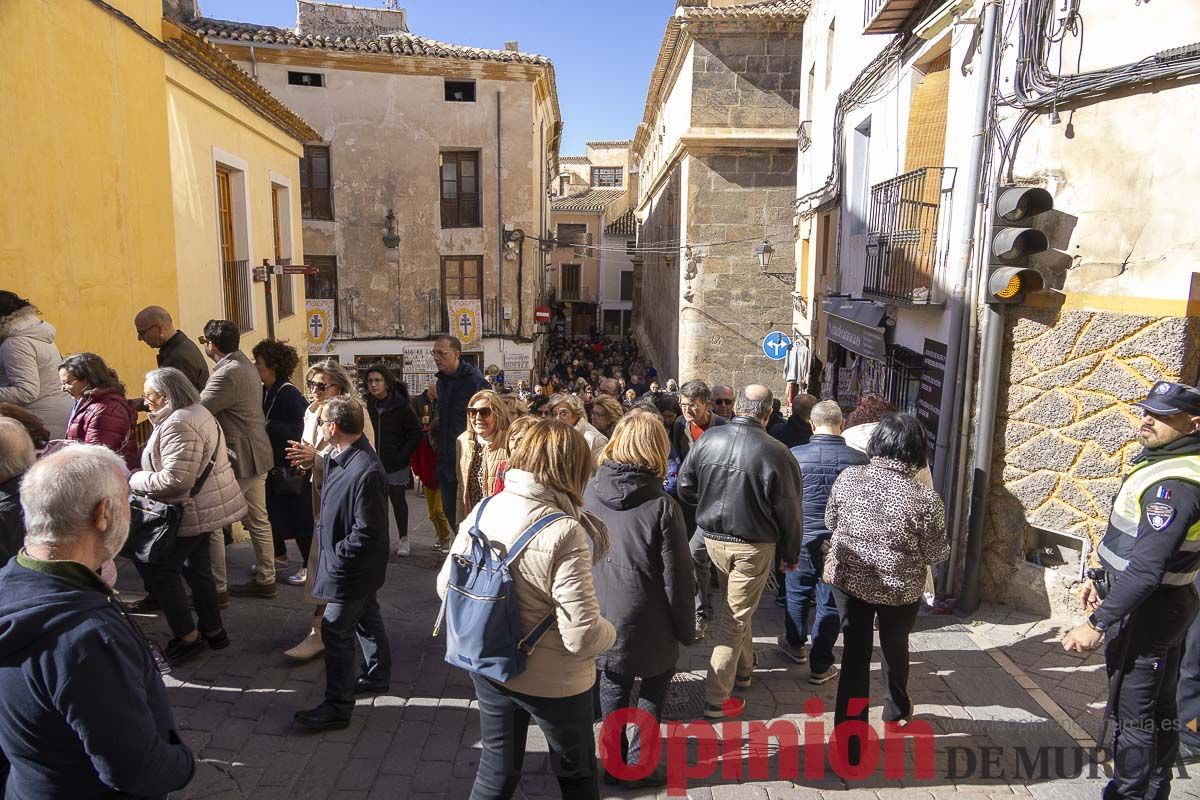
(776, 344)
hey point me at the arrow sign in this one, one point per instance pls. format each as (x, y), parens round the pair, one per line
(776, 345)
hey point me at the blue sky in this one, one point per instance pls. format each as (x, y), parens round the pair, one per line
(602, 51)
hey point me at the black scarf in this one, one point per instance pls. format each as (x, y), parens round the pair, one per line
(1184, 446)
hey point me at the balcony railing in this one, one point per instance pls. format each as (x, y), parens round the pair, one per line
(239, 302)
(908, 223)
(887, 16)
(573, 294)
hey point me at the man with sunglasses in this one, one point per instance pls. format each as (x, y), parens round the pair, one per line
(175, 349)
(1143, 599)
(457, 383)
(722, 400)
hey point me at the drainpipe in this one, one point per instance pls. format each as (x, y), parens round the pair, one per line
(957, 348)
(253, 64)
(499, 218)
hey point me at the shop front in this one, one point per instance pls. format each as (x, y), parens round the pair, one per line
(860, 360)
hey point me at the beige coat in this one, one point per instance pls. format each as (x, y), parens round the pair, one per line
(595, 439)
(552, 575)
(180, 447)
(493, 457)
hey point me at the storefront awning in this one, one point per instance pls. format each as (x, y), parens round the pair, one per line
(854, 324)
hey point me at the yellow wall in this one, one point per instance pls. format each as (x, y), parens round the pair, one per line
(202, 121)
(86, 229)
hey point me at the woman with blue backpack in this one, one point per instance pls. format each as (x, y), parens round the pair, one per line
(521, 613)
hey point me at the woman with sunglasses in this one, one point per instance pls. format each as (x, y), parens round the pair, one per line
(570, 409)
(482, 448)
(324, 380)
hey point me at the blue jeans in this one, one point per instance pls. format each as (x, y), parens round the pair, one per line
(566, 722)
(342, 623)
(804, 590)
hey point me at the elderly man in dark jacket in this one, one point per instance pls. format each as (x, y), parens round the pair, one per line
(798, 428)
(747, 491)
(457, 383)
(352, 533)
(820, 461)
(83, 709)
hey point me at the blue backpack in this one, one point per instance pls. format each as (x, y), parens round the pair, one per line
(483, 622)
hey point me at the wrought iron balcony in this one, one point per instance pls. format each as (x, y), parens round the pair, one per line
(907, 235)
(887, 16)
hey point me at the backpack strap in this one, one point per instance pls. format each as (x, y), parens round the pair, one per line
(530, 641)
(526, 537)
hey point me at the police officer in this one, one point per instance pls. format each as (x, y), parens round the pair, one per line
(1143, 600)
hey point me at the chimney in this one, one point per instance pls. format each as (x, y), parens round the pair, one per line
(512, 47)
(331, 19)
(180, 10)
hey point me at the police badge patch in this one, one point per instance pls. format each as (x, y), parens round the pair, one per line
(1159, 515)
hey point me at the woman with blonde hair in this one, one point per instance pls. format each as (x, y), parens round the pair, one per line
(324, 380)
(482, 448)
(553, 575)
(606, 413)
(645, 584)
(568, 408)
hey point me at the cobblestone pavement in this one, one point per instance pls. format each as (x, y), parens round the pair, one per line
(998, 681)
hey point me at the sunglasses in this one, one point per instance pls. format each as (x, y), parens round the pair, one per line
(723, 402)
(317, 386)
(482, 413)
(201, 340)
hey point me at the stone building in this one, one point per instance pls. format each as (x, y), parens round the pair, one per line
(884, 150)
(716, 159)
(428, 154)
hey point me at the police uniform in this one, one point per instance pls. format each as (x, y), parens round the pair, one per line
(1151, 558)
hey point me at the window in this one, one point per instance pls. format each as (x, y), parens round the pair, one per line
(460, 91)
(570, 282)
(315, 79)
(316, 186)
(571, 233)
(235, 272)
(829, 55)
(630, 247)
(627, 284)
(460, 190)
(812, 85)
(324, 285)
(860, 177)
(283, 249)
(462, 279)
(606, 177)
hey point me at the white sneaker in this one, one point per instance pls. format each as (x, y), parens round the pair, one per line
(404, 549)
(298, 578)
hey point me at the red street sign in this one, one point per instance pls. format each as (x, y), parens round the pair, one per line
(297, 269)
(541, 315)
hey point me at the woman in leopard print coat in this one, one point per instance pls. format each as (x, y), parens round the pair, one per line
(887, 528)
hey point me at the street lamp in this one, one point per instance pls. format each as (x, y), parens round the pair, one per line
(764, 252)
(391, 239)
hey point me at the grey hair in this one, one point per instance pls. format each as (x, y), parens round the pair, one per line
(17, 452)
(758, 408)
(571, 401)
(59, 493)
(338, 375)
(345, 412)
(826, 414)
(722, 386)
(696, 390)
(174, 385)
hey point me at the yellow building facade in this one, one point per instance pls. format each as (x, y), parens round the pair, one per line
(146, 168)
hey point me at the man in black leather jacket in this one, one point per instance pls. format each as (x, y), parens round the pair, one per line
(748, 493)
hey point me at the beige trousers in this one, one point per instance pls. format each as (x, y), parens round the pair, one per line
(259, 527)
(743, 570)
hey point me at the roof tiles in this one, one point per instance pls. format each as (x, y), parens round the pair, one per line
(590, 200)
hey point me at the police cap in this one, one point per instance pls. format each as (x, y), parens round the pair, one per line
(1171, 398)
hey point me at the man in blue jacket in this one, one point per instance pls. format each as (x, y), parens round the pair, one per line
(83, 709)
(352, 533)
(821, 461)
(457, 383)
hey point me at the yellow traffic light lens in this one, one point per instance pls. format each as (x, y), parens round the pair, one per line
(1012, 289)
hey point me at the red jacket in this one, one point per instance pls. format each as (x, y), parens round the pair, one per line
(105, 417)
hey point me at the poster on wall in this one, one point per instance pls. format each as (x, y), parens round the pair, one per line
(318, 325)
(419, 368)
(466, 323)
(929, 399)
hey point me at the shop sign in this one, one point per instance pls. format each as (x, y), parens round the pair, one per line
(929, 398)
(856, 337)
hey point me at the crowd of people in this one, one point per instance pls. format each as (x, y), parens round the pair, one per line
(642, 517)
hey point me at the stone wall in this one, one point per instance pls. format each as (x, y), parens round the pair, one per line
(1064, 433)
(656, 281)
(333, 19)
(746, 82)
(733, 200)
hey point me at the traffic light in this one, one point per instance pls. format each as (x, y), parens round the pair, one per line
(1010, 277)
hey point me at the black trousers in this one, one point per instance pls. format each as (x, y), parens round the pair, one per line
(1143, 657)
(504, 717)
(399, 507)
(188, 560)
(615, 689)
(858, 644)
(1189, 683)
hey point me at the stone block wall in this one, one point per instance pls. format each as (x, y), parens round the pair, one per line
(1064, 431)
(746, 82)
(734, 199)
(656, 281)
(336, 19)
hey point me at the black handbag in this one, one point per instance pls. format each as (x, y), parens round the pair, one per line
(154, 525)
(289, 481)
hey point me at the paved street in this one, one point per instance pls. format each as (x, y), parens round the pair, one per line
(1000, 681)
